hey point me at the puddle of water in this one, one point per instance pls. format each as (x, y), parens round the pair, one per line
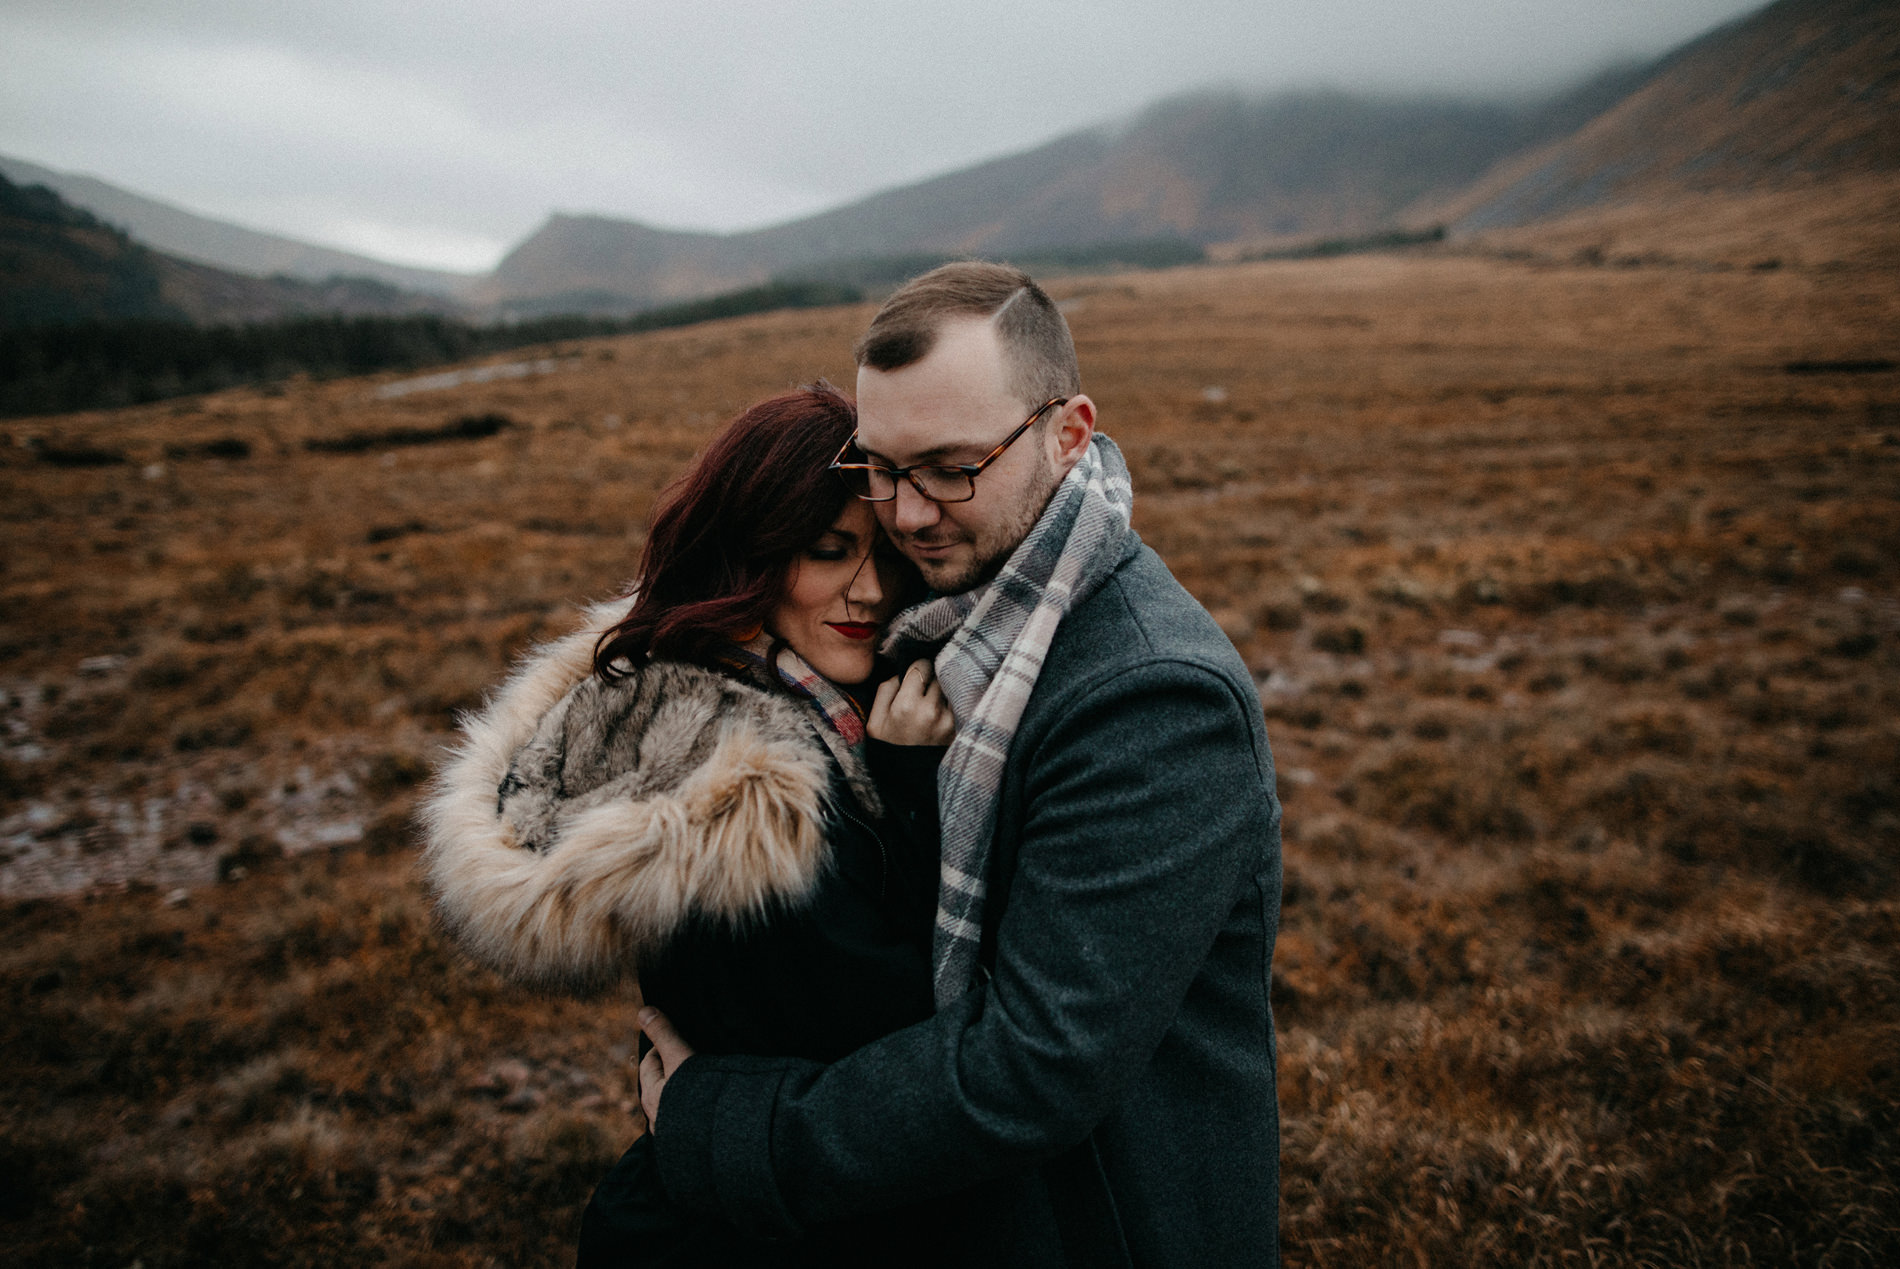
(474, 374)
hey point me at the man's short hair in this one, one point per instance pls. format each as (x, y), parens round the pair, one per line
(1034, 337)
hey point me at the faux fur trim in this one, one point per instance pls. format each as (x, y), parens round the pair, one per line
(621, 871)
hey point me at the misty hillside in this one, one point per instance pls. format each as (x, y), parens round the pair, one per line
(1204, 168)
(220, 244)
(60, 264)
(207, 294)
(1224, 168)
(1803, 94)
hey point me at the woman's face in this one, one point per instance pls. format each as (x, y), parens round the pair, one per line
(841, 591)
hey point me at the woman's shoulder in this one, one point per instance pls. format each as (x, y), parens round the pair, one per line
(650, 728)
(557, 679)
(584, 818)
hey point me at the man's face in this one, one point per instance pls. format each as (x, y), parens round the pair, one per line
(952, 407)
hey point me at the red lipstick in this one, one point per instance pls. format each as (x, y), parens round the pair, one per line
(854, 629)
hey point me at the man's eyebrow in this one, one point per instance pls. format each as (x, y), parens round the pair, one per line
(936, 456)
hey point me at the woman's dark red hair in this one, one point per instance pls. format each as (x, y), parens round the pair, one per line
(725, 534)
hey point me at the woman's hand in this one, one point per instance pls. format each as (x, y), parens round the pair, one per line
(661, 1061)
(910, 710)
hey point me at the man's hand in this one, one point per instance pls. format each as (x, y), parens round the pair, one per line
(910, 710)
(661, 1061)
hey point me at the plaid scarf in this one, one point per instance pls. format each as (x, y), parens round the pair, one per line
(989, 644)
(836, 717)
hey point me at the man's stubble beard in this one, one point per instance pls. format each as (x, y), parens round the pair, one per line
(990, 560)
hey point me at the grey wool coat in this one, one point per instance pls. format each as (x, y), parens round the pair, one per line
(1106, 1094)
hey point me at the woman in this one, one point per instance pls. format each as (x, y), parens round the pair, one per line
(687, 794)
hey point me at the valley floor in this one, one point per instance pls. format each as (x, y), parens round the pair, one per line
(1573, 594)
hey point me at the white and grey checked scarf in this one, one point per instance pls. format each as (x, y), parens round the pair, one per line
(990, 643)
(835, 718)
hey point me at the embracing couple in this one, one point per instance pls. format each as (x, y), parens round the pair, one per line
(935, 819)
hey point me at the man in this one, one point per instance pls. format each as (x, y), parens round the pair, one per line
(1097, 1085)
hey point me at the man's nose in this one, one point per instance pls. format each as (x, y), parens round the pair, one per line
(911, 511)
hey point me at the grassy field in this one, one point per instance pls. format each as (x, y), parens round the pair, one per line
(1573, 594)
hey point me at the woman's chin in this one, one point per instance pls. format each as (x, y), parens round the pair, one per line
(847, 667)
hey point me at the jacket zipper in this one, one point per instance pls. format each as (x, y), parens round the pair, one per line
(883, 856)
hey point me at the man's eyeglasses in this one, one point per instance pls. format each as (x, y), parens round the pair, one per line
(937, 482)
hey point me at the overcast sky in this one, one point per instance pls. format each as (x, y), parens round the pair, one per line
(443, 131)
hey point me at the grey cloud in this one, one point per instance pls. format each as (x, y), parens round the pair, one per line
(476, 117)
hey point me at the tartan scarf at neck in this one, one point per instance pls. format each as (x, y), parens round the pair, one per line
(989, 644)
(835, 717)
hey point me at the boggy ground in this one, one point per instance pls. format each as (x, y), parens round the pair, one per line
(1576, 614)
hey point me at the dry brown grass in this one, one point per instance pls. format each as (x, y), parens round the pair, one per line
(293, 1071)
(1577, 622)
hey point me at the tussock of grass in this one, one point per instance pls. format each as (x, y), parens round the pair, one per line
(472, 427)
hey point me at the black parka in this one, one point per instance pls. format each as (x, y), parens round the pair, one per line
(812, 980)
(689, 825)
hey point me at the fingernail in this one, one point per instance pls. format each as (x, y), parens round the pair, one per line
(646, 1015)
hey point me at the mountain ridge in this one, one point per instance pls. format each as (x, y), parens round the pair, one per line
(1207, 167)
(64, 264)
(1803, 92)
(206, 240)
(1803, 95)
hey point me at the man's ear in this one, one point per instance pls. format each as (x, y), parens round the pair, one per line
(1071, 431)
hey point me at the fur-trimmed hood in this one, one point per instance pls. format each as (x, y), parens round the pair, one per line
(582, 821)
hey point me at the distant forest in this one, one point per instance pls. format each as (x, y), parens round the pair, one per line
(101, 363)
(50, 369)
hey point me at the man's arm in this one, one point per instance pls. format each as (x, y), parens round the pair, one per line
(1149, 814)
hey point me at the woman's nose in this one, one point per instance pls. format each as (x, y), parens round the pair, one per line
(867, 588)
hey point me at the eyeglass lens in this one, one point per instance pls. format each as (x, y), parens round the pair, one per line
(940, 484)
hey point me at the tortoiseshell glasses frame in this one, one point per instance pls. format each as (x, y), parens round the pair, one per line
(939, 482)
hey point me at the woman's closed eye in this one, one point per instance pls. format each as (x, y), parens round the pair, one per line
(832, 546)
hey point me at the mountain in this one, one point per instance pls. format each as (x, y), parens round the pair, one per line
(589, 264)
(203, 240)
(1802, 96)
(1775, 135)
(205, 294)
(62, 264)
(1204, 168)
